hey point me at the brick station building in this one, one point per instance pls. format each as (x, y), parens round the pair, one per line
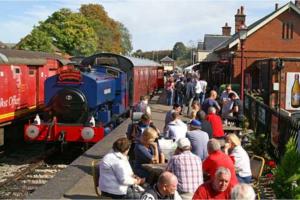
(275, 35)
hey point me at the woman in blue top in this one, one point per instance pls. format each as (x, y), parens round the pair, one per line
(147, 151)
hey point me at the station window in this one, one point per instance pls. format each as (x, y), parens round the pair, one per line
(287, 30)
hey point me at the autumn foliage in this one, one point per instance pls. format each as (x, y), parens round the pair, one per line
(79, 33)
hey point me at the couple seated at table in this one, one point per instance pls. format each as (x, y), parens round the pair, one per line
(232, 110)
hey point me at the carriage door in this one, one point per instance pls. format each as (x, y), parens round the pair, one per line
(32, 86)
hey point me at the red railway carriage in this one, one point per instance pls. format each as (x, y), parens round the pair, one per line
(160, 77)
(145, 77)
(22, 76)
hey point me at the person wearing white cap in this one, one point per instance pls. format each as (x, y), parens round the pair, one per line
(187, 167)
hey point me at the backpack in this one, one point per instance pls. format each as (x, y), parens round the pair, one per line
(179, 87)
(132, 131)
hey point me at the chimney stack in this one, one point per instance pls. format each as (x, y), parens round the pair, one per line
(276, 6)
(240, 18)
(226, 30)
(297, 3)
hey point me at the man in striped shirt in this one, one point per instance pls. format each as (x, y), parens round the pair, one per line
(187, 167)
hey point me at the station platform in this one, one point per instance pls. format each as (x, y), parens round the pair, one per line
(76, 181)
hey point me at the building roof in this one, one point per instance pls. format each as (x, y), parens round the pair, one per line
(200, 45)
(10, 45)
(12, 56)
(234, 40)
(167, 59)
(212, 41)
(2, 45)
(142, 62)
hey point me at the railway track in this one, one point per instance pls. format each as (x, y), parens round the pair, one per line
(28, 180)
(20, 178)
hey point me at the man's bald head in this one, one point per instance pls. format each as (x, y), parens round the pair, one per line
(167, 178)
(167, 183)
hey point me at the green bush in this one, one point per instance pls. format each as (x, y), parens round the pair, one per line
(257, 144)
(287, 173)
(235, 87)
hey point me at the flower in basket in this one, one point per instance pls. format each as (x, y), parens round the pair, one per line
(269, 175)
(271, 164)
(269, 168)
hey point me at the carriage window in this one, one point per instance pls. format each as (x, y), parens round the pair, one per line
(31, 72)
(17, 70)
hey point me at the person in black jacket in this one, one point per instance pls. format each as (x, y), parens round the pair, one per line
(205, 125)
(165, 188)
(237, 109)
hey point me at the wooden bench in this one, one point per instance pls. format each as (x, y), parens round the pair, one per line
(96, 175)
(257, 164)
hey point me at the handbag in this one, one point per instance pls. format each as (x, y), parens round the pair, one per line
(134, 192)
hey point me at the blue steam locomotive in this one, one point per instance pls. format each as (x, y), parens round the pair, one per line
(82, 102)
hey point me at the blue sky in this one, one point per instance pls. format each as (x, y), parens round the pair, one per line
(153, 24)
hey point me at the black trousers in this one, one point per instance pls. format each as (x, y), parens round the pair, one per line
(113, 196)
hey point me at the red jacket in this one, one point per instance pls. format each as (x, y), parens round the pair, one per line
(216, 124)
(216, 160)
(206, 191)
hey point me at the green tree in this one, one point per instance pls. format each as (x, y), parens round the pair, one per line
(179, 51)
(37, 40)
(70, 32)
(107, 29)
(138, 53)
(287, 174)
(125, 39)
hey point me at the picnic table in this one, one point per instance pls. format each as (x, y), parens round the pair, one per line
(233, 128)
(155, 168)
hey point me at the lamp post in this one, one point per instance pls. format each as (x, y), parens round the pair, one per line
(232, 53)
(242, 37)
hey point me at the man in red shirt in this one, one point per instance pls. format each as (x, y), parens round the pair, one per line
(218, 159)
(217, 188)
(216, 123)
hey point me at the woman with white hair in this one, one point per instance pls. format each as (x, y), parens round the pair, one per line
(242, 192)
(240, 156)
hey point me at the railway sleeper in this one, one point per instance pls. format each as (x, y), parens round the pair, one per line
(44, 171)
(34, 182)
(38, 176)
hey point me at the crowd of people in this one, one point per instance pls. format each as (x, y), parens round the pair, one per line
(206, 164)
